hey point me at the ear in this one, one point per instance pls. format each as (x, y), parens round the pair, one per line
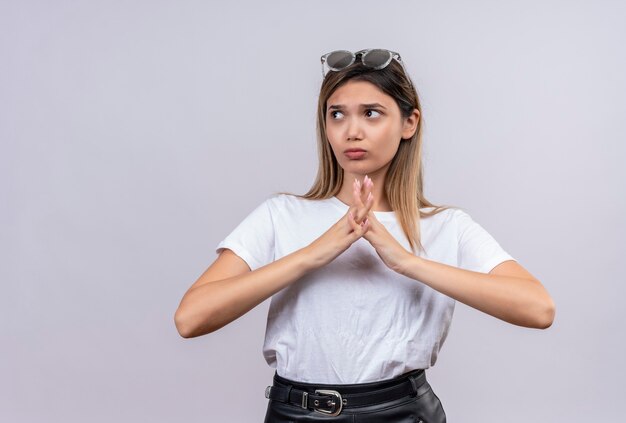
(410, 124)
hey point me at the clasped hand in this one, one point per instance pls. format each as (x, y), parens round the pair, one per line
(359, 222)
(364, 223)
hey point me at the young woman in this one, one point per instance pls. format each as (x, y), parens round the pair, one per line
(363, 271)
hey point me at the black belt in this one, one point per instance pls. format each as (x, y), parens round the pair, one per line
(331, 401)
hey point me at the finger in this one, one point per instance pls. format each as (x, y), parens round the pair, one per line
(359, 185)
(369, 200)
(357, 202)
(362, 208)
(365, 225)
(357, 229)
(357, 191)
(352, 211)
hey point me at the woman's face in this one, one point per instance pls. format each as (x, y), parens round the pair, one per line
(361, 116)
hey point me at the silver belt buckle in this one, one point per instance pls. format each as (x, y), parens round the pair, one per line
(336, 404)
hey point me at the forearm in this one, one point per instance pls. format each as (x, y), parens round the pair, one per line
(522, 302)
(213, 305)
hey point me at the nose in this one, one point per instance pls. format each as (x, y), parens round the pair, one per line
(353, 130)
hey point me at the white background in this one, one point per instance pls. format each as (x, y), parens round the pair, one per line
(136, 134)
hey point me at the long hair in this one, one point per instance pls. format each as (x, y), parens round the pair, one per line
(404, 181)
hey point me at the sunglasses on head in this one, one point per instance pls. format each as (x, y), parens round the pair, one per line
(375, 58)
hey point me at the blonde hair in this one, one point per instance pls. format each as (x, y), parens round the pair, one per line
(404, 181)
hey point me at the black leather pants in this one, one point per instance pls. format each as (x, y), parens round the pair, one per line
(421, 406)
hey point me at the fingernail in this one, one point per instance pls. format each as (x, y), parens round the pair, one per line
(369, 196)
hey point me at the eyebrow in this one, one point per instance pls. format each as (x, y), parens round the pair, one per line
(363, 106)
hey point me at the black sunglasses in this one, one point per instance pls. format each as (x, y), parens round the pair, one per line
(375, 58)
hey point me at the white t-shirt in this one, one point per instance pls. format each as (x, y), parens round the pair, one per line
(355, 320)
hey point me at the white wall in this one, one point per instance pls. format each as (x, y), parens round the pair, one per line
(136, 135)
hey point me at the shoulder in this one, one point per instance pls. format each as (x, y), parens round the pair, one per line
(280, 200)
(283, 204)
(445, 215)
(290, 201)
(462, 220)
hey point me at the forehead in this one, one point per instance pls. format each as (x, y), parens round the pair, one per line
(359, 92)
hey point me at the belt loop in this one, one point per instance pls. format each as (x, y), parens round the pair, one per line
(305, 399)
(289, 388)
(414, 384)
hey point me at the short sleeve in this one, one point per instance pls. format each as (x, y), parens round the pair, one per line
(253, 238)
(477, 249)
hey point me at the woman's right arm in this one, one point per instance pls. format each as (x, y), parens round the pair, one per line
(228, 289)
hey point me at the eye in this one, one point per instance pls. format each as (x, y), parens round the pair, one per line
(332, 114)
(372, 110)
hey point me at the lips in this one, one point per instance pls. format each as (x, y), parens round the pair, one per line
(355, 153)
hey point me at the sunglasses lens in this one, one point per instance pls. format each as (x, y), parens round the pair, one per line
(377, 58)
(339, 59)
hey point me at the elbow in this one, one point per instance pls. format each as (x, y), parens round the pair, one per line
(182, 325)
(188, 325)
(547, 315)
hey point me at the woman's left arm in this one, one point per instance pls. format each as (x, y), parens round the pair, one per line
(509, 292)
